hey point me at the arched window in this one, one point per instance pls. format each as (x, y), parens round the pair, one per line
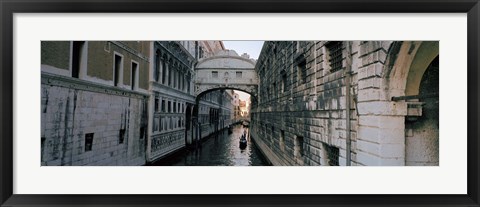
(157, 66)
(164, 71)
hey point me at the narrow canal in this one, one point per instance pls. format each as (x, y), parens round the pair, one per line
(221, 149)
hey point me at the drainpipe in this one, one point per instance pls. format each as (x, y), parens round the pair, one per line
(348, 73)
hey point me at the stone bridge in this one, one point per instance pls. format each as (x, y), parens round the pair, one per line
(226, 70)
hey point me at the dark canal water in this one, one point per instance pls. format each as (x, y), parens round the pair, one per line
(221, 149)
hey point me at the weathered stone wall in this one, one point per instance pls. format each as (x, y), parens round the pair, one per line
(301, 116)
(56, 54)
(72, 109)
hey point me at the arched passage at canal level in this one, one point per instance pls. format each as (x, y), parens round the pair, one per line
(226, 70)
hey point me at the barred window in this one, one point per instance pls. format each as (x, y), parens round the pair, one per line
(332, 154)
(302, 71)
(214, 74)
(335, 55)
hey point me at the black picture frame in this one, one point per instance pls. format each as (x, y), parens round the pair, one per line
(10, 7)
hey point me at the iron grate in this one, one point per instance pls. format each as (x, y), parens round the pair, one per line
(332, 153)
(335, 54)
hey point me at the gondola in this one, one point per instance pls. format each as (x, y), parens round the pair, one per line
(243, 142)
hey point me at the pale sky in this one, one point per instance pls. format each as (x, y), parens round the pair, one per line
(242, 95)
(253, 48)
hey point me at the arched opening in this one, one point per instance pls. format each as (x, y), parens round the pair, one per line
(422, 132)
(413, 79)
(213, 118)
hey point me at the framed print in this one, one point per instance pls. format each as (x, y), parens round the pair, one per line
(201, 103)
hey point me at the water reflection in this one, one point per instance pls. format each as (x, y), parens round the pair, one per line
(221, 149)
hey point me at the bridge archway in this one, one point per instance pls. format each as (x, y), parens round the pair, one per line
(224, 71)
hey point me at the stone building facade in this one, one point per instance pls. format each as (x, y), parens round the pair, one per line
(123, 102)
(236, 107)
(171, 97)
(348, 103)
(214, 113)
(94, 102)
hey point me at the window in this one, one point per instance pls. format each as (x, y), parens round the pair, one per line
(134, 81)
(284, 82)
(332, 154)
(239, 74)
(169, 75)
(88, 142)
(214, 74)
(77, 57)
(142, 132)
(169, 107)
(156, 104)
(121, 136)
(157, 66)
(163, 106)
(179, 86)
(174, 107)
(302, 71)
(118, 66)
(164, 72)
(174, 76)
(335, 55)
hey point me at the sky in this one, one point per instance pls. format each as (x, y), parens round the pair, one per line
(253, 48)
(242, 95)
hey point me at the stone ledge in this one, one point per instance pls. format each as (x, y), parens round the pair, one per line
(75, 83)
